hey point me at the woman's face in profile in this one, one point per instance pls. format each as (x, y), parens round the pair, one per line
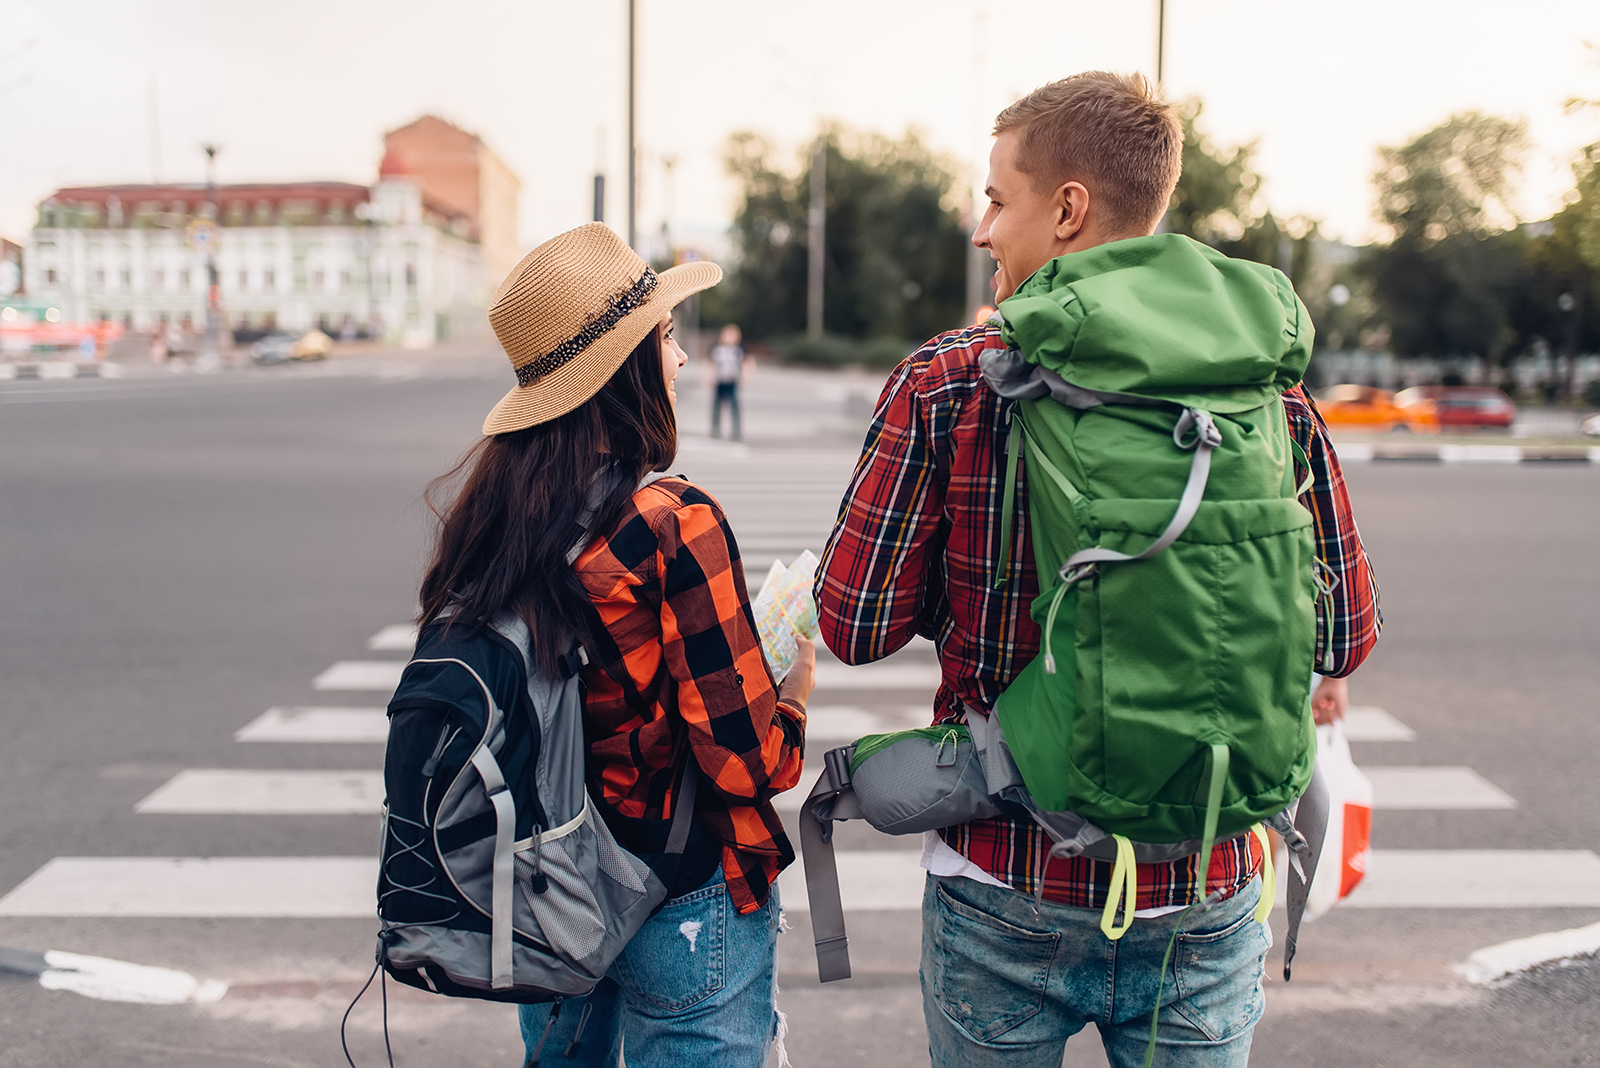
(672, 358)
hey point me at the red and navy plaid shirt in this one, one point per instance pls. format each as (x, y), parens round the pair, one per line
(678, 669)
(914, 552)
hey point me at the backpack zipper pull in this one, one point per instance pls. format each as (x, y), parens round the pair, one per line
(431, 765)
(538, 882)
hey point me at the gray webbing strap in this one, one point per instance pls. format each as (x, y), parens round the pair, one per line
(1207, 437)
(1311, 821)
(829, 800)
(505, 833)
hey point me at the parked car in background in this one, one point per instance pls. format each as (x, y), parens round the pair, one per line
(1461, 405)
(1591, 426)
(274, 348)
(313, 345)
(280, 347)
(1352, 407)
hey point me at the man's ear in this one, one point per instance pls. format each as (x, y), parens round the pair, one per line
(1072, 210)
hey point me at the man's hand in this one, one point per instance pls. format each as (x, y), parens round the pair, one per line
(1330, 702)
(796, 686)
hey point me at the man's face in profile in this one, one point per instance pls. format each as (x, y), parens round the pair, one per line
(1019, 227)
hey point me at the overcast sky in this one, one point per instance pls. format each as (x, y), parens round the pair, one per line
(305, 88)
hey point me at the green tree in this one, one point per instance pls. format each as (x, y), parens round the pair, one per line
(1449, 180)
(1448, 281)
(895, 248)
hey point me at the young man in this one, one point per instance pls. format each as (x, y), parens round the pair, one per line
(727, 371)
(1076, 164)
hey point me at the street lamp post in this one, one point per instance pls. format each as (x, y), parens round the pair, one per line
(633, 167)
(816, 234)
(1161, 41)
(211, 344)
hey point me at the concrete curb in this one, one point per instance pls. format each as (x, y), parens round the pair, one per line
(1364, 452)
(59, 369)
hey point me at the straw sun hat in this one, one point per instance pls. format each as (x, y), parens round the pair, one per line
(570, 313)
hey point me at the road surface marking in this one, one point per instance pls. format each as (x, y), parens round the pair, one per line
(316, 724)
(1479, 879)
(229, 791)
(395, 638)
(117, 980)
(1496, 962)
(384, 675)
(269, 887)
(1365, 723)
(870, 880)
(1434, 788)
(379, 675)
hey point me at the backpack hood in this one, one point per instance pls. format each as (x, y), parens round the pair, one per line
(1163, 316)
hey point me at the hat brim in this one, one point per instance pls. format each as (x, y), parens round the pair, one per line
(580, 378)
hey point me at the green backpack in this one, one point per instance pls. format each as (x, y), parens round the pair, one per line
(1170, 699)
(1169, 705)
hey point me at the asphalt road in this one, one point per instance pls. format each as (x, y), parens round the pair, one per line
(179, 553)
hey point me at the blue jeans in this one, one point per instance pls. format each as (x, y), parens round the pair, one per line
(1003, 987)
(695, 986)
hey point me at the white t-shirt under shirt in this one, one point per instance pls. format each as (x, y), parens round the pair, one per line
(726, 361)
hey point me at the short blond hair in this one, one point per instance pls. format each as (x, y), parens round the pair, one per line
(1112, 132)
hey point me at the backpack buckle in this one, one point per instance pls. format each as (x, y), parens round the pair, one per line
(836, 767)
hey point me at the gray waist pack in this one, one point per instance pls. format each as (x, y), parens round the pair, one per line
(924, 779)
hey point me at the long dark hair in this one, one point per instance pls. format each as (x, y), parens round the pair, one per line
(503, 540)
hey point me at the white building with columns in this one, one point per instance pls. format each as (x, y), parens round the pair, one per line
(397, 260)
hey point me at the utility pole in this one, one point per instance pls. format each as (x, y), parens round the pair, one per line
(211, 346)
(816, 233)
(600, 175)
(980, 265)
(1161, 41)
(155, 134)
(633, 167)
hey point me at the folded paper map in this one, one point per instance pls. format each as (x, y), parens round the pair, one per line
(785, 611)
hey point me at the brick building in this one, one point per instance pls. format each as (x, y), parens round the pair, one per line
(459, 172)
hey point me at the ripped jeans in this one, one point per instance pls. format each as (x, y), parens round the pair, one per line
(694, 986)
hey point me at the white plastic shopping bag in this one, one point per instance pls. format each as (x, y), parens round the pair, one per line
(1348, 842)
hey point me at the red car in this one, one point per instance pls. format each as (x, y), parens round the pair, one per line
(1461, 405)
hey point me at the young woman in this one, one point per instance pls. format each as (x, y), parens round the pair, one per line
(557, 518)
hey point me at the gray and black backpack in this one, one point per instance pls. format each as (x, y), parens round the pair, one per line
(499, 879)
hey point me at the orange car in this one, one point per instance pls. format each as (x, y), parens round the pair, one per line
(1351, 407)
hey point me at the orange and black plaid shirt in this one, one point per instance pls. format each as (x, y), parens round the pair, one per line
(679, 667)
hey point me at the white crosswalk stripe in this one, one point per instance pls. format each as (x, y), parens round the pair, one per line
(378, 675)
(382, 676)
(1434, 788)
(395, 638)
(1368, 724)
(316, 723)
(299, 887)
(233, 791)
